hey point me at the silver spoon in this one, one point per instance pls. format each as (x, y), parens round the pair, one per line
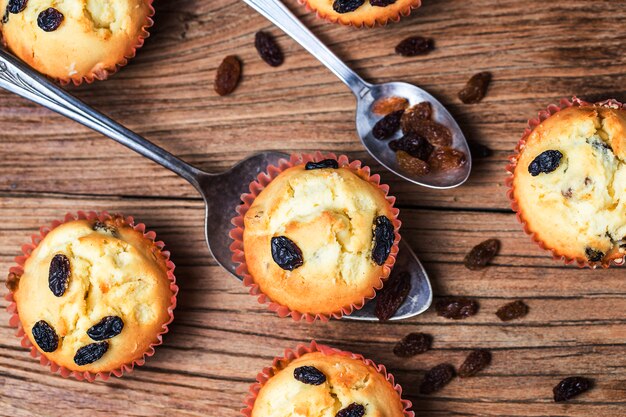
(366, 94)
(221, 192)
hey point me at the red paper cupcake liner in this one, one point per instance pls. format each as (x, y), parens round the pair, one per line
(290, 355)
(378, 21)
(513, 159)
(263, 179)
(18, 270)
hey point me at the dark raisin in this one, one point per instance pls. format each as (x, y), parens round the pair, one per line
(392, 295)
(383, 239)
(382, 3)
(411, 164)
(415, 114)
(413, 144)
(286, 254)
(268, 49)
(594, 255)
(227, 75)
(309, 375)
(90, 353)
(415, 45)
(437, 378)
(436, 133)
(106, 328)
(99, 226)
(546, 161)
(479, 150)
(59, 274)
(45, 336)
(571, 387)
(326, 163)
(16, 6)
(353, 410)
(481, 254)
(511, 311)
(413, 344)
(388, 125)
(50, 19)
(346, 6)
(13, 281)
(5, 16)
(386, 105)
(456, 308)
(475, 362)
(445, 159)
(476, 88)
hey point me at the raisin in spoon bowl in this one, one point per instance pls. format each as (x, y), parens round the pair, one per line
(221, 192)
(367, 94)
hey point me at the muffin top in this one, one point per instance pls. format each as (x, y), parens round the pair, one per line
(309, 239)
(73, 39)
(94, 291)
(570, 183)
(362, 12)
(342, 382)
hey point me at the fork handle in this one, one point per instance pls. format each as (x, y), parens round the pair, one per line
(18, 78)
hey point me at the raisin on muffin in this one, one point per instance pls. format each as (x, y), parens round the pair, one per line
(569, 183)
(77, 39)
(362, 12)
(94, 295)
(318, 237)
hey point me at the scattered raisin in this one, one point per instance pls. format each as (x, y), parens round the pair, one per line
(382, 3)
(436, 133)
(227, 76)
(346, 6)
(413, 144)
(13, 281)
(45, 336)
(415, 45)
(413, 344)
(309, 375)
(286, 254)
(412, 165)
(59, 274)
(99, 226)
(481, 254)
(594, 255)
(392, 295)
(415, 114)
(445, 159)
(479, 150)
(106, 328)
(437, 378)
(268, 49)
(353, 410)
(386, 105)
(90, 353)
(546, 161)
(16, 6)
(5, 16)
(511, 311)
(475, 89)
(383, 239)
(50, 19)
(456, 308)
(475, 362)
(571, 387)
(326, 163)
(388, 125)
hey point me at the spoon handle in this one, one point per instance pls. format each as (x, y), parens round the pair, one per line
(18, 78)
(276, 12)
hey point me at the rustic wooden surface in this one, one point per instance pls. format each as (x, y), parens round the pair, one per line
(538, 51)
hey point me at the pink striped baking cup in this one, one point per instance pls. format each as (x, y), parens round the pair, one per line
(16, 271)
(263, 179)
(543, 115)
(290, 355)
(381, 20)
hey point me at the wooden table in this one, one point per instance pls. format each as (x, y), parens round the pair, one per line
(538, 51)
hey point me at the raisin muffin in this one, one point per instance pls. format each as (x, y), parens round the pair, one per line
(327, 385)
(569, 183)
(318, 238)
(77, 39)
(362, 12)
(94, 296)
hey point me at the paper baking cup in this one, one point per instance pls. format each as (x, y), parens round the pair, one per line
(259, 185)
(18, 270)
(532, 124)
(290, 355)
(371, 20)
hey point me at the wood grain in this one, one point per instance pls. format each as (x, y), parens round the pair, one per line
(538, 53)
